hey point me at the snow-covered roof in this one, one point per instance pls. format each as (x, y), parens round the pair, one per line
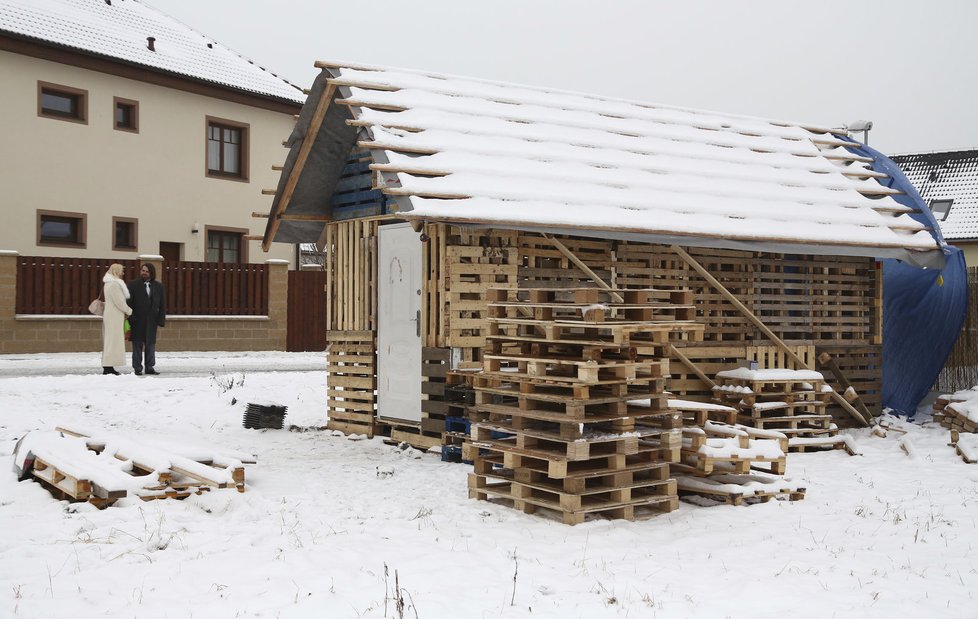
(463, 150)
(118, 29)
(947, 176)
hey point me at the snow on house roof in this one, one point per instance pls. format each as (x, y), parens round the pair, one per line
(949, 175)
(462, 150)
(118, 29)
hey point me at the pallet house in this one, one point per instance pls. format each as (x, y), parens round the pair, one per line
(427, 191)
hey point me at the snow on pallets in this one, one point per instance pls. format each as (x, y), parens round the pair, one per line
(554, 425)
(737, 447)
(734, 489)
(101, 468)
(954, 413)
(792, 402)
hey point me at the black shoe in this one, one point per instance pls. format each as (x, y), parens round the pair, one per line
(151, 371)
(109, 370)
(137, 372)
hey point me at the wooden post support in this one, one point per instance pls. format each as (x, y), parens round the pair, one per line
(673, 351)
(799, 363)
(826, 360)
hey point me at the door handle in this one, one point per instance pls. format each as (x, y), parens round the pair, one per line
(417, 323)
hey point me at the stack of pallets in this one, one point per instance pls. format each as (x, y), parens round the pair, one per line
(792, 402)
(556, 424)
(725, 461)
(950, 412)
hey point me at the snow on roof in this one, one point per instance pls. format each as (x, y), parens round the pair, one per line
(119, 29)
(947, 176)
(471, 151)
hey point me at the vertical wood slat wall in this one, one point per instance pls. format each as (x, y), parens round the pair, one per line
(351, 322)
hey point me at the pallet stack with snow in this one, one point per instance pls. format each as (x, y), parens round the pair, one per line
(792, 402)
(723, 460)
(958, 411)
(567, 416)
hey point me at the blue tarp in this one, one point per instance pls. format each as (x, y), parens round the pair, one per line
(923, 309)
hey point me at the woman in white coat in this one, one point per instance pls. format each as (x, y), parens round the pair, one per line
(116, 310)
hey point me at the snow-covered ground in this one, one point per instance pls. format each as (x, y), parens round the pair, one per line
(334, 527)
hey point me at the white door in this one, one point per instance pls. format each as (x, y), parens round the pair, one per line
(399, 324)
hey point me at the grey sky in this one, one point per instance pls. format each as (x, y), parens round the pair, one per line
(909, 66)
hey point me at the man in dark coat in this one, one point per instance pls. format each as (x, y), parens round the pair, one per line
(148, 313)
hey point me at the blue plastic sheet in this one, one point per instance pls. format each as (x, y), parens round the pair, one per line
(923, 309)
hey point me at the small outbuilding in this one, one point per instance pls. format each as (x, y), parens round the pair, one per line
(426, 191)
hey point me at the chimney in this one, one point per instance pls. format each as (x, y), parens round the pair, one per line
(151, 43)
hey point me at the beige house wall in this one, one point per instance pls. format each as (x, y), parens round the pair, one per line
(157, 175)
(40, 334)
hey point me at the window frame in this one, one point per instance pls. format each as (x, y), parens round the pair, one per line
(941, 201)
(131, 103)
(243, 160)
(81, 117)
(82, 229)
(135, 233)
(241, 233)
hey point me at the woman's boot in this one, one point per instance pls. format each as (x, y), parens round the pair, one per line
(109, 370)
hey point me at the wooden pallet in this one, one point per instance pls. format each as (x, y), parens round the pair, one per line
(351, 382)
(68, 462)
(743, 489)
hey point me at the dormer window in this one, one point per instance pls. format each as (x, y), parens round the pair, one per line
(941, 208)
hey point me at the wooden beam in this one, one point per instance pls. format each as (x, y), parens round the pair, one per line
(304, 217)
(826, 360)
(307, 141)
(799, 363)
(673, 351)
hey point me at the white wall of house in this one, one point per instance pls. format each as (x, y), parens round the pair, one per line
(157, 176)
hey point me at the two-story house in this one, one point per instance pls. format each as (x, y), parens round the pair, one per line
(126, 132)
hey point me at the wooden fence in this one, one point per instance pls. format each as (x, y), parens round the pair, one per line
(66, 286)
(961, 368)
(216, 289)
(307, 311)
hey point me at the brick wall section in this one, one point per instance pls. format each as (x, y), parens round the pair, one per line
(84, 333)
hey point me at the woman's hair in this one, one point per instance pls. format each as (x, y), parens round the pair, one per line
(116, 270)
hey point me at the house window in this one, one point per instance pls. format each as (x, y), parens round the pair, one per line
(941, 208)
(227, 149)
(225, 246)
(126, 114)
(62, 102)
(61, 229)
(124, 236)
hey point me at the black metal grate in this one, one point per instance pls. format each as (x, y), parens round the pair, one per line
(264, 417)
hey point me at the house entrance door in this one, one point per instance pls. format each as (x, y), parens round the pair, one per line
(399, 324)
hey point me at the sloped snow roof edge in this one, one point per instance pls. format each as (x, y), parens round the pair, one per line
(476, 152)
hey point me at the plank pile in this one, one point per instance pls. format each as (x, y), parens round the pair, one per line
(554, 425)
(99, 468)
(953, 415)
(792, 402)
(723, 460)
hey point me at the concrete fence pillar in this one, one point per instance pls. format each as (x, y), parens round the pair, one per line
(8, 297)
(278, 302)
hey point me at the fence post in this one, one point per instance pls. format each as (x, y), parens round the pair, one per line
(8, 297)
(278, 303)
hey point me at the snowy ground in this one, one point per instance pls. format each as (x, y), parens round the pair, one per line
(328, 525)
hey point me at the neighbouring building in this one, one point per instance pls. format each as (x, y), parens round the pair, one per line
(126, 132)
(948, 183)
